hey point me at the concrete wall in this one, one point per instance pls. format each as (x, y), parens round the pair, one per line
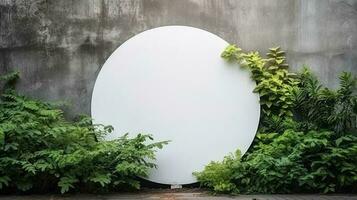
(60, 45)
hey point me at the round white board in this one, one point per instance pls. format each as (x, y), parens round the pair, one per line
(172, 83)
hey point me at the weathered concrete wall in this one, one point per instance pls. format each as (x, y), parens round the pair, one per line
(60, 45)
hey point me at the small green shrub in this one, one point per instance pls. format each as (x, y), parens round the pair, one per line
(218, 176)
(288, 163)
(41, 150)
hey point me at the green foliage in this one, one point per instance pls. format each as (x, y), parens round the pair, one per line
(10, 76)
(299, 100)
(66, 182)
(307, 140)
(287, 163)
(4, 180)
(326, 108)
(274, 83)
(40, 150)
(219, 175)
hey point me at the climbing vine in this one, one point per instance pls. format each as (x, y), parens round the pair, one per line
(274, 83)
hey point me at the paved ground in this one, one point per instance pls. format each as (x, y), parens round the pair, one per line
(178, 196)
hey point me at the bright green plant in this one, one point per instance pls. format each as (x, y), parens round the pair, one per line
(288, 163)
(218, 176)
(274, 83)
(41, 150)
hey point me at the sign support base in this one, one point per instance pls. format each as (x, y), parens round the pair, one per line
(176, 186)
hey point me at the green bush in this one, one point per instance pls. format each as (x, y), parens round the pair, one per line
(319, 108)
(307, 140)
(40, 150)
(327, 109)
(288, 163)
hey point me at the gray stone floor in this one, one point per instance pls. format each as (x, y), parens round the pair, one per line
(178, 196)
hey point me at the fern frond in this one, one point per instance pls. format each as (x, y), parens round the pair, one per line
(10, 76)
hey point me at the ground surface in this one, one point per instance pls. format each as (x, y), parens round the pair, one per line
(178, 196)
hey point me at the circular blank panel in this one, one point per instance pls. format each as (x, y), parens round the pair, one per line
(172, 83)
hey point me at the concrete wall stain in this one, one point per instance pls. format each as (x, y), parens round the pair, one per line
(59, 46)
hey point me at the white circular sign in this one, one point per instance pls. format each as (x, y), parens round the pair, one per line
(172, 83)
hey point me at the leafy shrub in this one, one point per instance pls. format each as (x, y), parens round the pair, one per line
(307, 140)
(276, 124)
(274, 83)
(326, 108)
(41, 150)
(317, 107)
(286, 163)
